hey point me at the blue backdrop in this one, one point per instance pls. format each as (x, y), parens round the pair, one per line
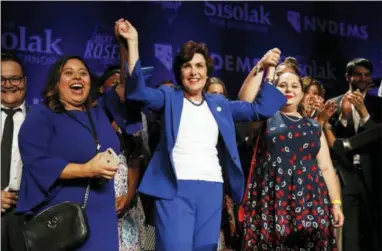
(323, 36)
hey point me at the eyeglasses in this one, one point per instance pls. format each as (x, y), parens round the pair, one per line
(14, 80)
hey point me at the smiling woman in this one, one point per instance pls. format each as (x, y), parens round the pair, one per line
(63, 145)
(192, 66)
(68, 86)
(293, 168)
(187, 170)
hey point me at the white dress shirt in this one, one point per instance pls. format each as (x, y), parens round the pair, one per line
(16, 163)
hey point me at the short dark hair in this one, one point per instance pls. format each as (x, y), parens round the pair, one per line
(186, 54)
(7, 56)
(358, 62)
(111, 70)
(51, 96)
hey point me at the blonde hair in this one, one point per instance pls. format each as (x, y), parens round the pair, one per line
(215, 80)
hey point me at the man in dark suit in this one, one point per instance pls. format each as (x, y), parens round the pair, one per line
(13, 111)
(358, 111)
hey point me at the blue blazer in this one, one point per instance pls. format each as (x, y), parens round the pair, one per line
(160, 179)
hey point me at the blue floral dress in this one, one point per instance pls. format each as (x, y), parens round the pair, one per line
(288, 205)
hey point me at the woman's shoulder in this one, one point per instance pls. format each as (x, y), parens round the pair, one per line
(39, 110)
(38, 116)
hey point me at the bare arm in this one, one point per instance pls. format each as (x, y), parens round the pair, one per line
(123, 202)
(330, 137)
(252, 84)
(133, 179)
(133, 55)
(327, 169)
(270, 76)
(120, 89)
(136, 88)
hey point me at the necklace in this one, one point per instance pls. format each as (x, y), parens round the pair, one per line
(288, 117)
(195, 104)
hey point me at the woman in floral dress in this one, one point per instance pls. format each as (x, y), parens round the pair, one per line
(292, 201)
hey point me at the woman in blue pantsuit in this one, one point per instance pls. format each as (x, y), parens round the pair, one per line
(197, 152)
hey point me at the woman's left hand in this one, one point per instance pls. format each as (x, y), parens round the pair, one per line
(338, 216)
(122, 203)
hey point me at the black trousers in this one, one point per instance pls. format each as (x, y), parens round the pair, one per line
(360, 226)
(12, 238)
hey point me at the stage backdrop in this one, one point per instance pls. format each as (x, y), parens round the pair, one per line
(323, 36)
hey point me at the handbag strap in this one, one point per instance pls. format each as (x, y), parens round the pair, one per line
(93, 131)
(253, 163)
(86, 197)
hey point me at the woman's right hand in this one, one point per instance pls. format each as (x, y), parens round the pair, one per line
(98, 168)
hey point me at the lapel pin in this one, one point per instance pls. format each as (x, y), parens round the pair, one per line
(219, 109)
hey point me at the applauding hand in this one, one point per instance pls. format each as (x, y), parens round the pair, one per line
(329, 109)
(356, 99)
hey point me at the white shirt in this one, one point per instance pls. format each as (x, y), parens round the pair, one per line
(16, 163)
(380, 90)
(195, 154)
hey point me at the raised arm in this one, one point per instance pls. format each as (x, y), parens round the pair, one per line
(136, 88)
(126, 114)
(268, 101)
(120, 89)
(252, 83)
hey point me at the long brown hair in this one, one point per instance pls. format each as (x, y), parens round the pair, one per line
(51, 95)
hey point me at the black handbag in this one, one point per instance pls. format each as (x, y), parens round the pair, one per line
(64, 226)
(58, 228)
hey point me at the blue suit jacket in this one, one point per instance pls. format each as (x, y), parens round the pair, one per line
(160, 179)
(126, 114)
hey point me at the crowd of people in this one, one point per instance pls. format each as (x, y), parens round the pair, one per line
(205, 172)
